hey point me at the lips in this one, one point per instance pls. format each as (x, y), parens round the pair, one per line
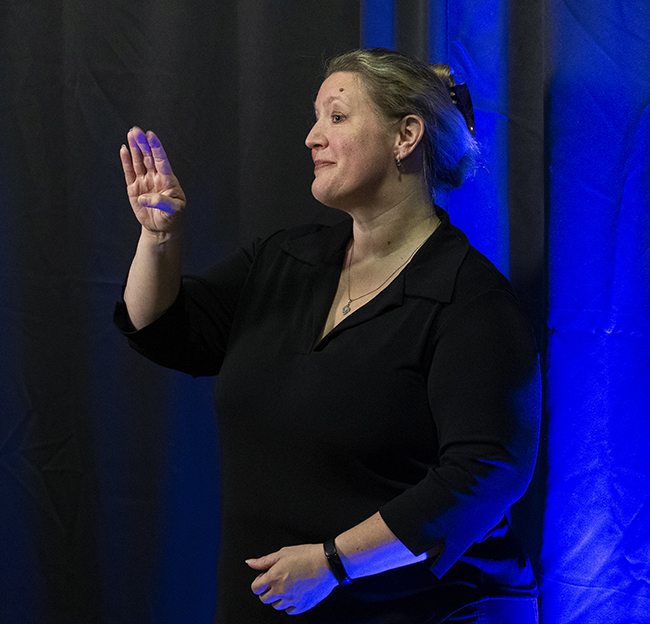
(320, 164)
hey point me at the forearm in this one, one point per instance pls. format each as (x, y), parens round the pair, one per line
(296, 578)
(371, 547)
(154, 278)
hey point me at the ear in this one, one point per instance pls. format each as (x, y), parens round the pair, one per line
(409, 134)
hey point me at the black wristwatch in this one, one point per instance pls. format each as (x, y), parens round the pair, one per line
(335, 563)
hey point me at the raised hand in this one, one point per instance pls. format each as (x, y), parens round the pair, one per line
(156, 196)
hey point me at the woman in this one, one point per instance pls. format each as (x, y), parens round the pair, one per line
(378, 395)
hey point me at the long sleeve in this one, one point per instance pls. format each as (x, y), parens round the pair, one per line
(483, 389)
(192, 335)
(422, 405)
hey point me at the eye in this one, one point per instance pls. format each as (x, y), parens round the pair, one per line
(337, 118)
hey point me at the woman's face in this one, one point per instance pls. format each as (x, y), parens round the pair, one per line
(352, 148)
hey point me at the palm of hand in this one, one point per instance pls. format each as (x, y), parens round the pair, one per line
(154, 192)
(158, 216)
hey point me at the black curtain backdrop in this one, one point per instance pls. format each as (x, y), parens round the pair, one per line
(108, 465)
(109, 484)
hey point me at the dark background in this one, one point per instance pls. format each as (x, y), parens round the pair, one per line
(109, 465)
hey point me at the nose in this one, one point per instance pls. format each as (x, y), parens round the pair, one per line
(315, 137)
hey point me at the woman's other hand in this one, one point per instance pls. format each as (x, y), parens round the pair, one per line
(294, 579)
(156, 196)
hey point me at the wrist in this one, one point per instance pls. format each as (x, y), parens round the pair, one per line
(335, 564)
(159, 238)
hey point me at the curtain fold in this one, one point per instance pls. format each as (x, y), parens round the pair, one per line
(595, 554)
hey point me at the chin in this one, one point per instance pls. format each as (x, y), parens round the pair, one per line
(322, 195)
(329, 202)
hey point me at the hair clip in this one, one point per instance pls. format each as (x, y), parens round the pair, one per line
(461, 98)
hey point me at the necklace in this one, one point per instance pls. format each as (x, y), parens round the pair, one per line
(346, 307)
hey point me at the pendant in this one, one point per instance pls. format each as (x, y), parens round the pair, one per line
(346, 307)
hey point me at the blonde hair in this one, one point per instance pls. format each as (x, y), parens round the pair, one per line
(399, 85)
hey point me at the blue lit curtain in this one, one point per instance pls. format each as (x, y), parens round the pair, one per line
(562, 206)
(109, 465)
(596, 552)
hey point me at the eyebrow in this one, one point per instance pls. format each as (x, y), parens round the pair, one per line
(329, 100)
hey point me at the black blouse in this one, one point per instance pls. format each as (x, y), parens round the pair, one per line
(423, 404)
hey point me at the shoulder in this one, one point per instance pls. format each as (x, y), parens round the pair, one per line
(477, 275)
(478, 292)
(483, 298)
(449, 271)
(485, 313)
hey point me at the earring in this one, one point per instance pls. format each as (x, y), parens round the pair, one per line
(398, 162)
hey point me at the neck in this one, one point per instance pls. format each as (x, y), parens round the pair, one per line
(397, 228)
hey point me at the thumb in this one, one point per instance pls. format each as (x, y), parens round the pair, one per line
(158, 201)
(263, 563)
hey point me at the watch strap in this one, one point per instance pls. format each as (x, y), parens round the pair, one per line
(335, 563)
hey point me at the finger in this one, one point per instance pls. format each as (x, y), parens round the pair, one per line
(257, 564)
(127, 165)
(259, 586)
(263, 563)
(161, 161)
(159, 202)
(271, 598)
(145, 149)
(136, 154)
